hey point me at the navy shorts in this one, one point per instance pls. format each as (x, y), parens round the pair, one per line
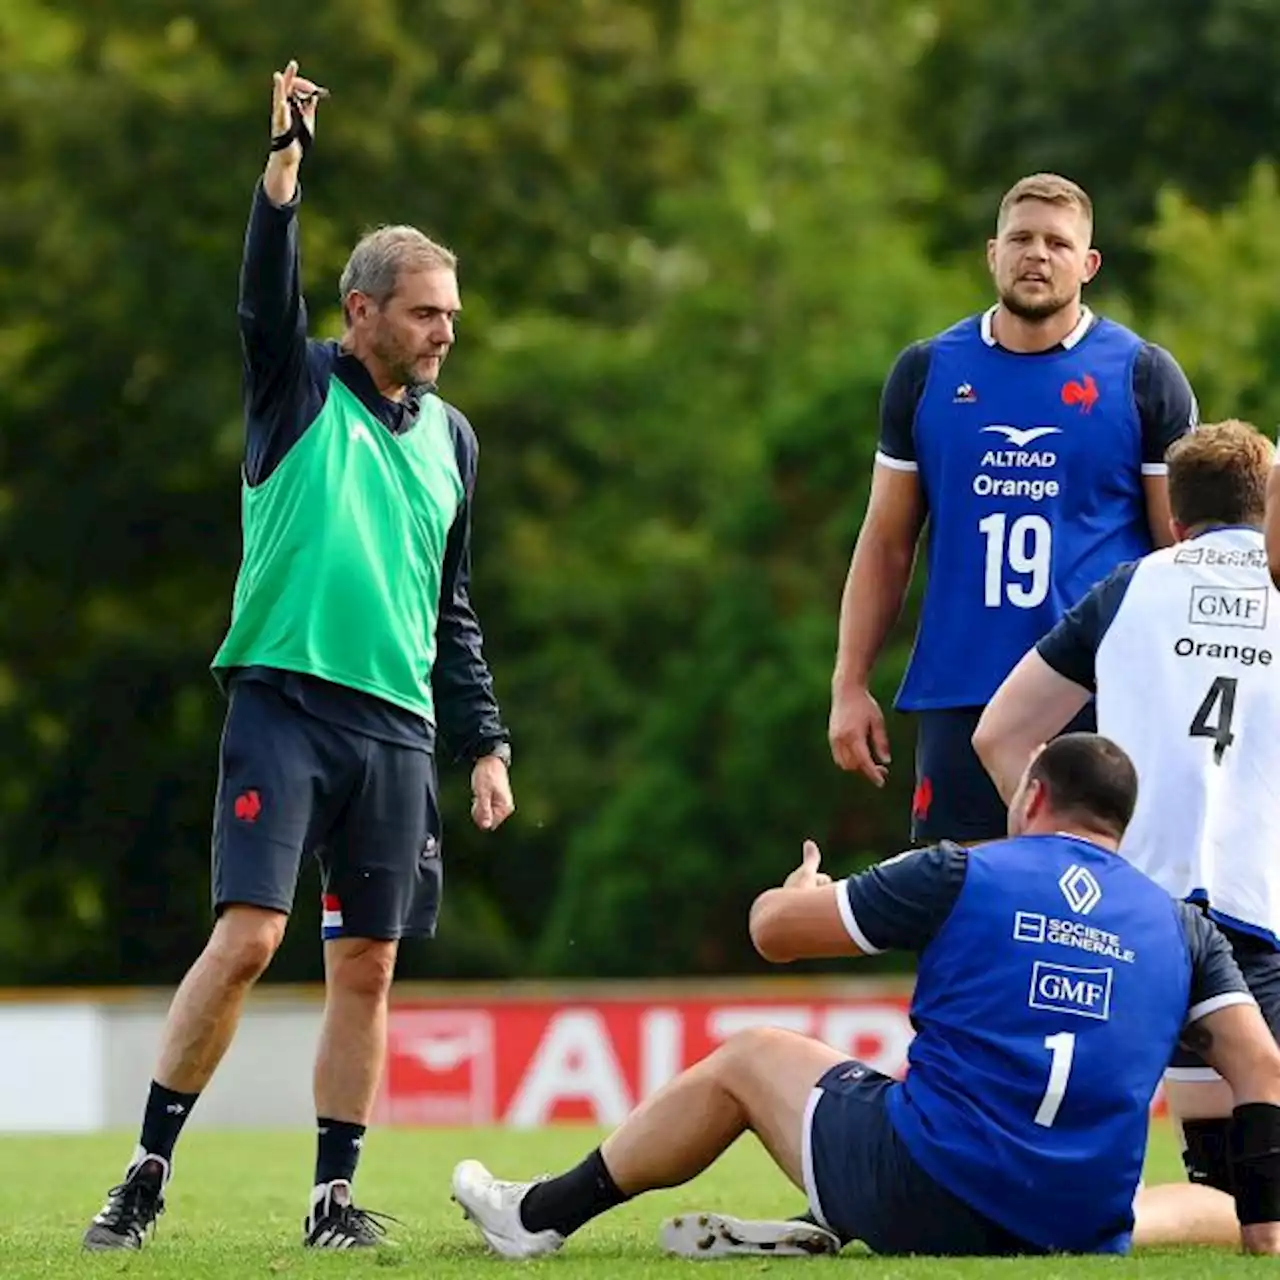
(290, 784)
(863, 1183)
(955, 798)
(1260, 964)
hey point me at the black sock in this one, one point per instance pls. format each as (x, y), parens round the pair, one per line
(162, 1121)
(337, 1150)
(563, 1204)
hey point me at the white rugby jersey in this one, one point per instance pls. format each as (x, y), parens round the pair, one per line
(1182, 649)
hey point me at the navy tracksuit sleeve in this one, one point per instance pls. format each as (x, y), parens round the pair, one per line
(282, 393)
(466, 707)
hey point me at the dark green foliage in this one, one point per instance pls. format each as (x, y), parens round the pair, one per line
(693, 236)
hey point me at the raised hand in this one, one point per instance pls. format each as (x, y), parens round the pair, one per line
(293, 125)
(807, 875)
(290, 94)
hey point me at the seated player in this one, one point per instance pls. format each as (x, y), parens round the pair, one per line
(1201, 623)
(1034, 1062)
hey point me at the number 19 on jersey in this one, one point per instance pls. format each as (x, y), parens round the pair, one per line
(1019, 554)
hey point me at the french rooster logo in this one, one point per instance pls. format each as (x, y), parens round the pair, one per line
(1083, 393)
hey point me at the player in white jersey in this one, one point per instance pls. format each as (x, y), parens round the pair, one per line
(1183, 650)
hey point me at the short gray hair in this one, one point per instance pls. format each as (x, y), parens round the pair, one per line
(375, 263)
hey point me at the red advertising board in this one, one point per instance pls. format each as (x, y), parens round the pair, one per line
(526, 1063)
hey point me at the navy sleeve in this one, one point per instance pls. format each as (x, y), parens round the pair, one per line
(1071, 648)
(903, 902)
(1216, 980)
(466, 707)
(898, 401)
(282, 392)
(1167, 406)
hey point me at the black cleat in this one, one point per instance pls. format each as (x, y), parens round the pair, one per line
(335, 1223)
(132, 1207)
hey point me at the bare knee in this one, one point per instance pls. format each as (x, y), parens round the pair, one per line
(744, 1051)
(244, 940)
(361, 967)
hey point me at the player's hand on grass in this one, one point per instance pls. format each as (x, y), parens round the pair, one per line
(491, 800)
(291, 92)
(859, 741)
(807, 875)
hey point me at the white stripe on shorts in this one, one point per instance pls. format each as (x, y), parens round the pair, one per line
(806, 1157)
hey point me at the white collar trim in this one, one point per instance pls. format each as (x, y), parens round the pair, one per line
(1071, 340)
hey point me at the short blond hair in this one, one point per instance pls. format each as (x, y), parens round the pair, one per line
(1052, 188)
(1218, 474)
(377, 261)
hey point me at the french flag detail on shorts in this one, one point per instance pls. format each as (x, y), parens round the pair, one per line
(331, 918)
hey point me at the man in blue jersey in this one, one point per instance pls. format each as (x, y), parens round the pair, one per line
(1031, 439)
(1055, 980)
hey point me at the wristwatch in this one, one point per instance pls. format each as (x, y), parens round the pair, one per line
(501, 748)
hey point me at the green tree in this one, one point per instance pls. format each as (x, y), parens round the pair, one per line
(527, 134)
(801, 280)
(1216, 292)
(1122, 95)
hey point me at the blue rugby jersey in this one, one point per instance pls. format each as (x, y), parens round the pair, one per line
(1031, 470)
(1054, 982)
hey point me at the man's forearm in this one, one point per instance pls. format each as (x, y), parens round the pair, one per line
(466, 707)
(1005, 762)
(271, 313)
(1033, 704)
(280, 180)
(1008, 731)
(874, 592)
(270, 308)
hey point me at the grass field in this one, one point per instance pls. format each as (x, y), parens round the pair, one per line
(236, 1203)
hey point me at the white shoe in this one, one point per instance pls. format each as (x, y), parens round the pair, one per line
(716, 1235)
(494, 1207)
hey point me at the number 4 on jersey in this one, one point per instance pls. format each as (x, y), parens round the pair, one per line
(1222, 699)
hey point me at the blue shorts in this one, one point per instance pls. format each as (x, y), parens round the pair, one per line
(954, 797)
(290, 784)
(863, 1184)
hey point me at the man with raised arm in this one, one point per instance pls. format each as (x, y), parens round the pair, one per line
(352, 643)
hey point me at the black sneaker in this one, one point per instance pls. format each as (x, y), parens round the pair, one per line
(132, 1208)
(335, 1223)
